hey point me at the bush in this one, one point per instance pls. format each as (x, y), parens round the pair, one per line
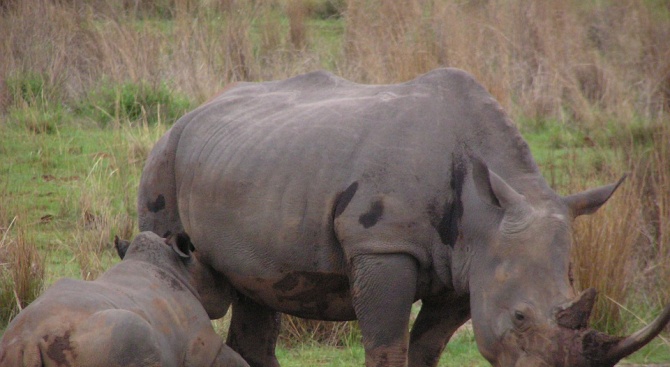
(134, 102)
(34, 102)
(325, 9)
(31, 89)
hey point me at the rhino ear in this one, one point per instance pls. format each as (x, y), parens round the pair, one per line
(181, 244)
(492, 188)
(589, 201)
(121, 246)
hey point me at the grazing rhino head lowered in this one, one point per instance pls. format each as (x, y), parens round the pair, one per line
(523, 308)
(144, 311)
(332, 200)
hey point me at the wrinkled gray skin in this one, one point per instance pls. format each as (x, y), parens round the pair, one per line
(326, 199)
(144, 311)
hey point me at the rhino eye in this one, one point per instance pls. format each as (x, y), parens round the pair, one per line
(522, 316)
(519, 316)
(520, 320)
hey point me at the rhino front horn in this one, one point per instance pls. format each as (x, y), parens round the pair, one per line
(575, 315)
(632, 343)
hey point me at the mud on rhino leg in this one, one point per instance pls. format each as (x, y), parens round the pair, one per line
(383, 289)
(253, 332)
(436, 323)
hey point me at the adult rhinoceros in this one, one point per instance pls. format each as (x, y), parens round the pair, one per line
(326, 199)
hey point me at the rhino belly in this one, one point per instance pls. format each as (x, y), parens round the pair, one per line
(321, 296)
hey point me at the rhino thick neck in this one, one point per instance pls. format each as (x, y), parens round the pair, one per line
(508, 155)
(488, 133)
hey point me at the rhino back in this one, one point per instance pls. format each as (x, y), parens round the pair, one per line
(133, 314)
(263, 170)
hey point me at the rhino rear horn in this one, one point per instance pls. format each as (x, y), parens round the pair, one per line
(575, 315)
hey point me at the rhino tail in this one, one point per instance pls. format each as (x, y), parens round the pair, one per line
(157, 207)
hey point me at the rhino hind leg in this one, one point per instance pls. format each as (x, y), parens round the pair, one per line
(253, 332)
(434, 327)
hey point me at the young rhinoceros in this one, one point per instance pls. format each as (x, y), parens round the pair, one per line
(151, 309)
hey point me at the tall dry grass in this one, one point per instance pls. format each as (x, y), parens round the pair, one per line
(623, 250)
(655, 171)
(577, 62)
(21, 270)
(105, 201)
(606, 248)
(589, 63)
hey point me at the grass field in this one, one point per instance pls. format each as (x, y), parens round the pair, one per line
(86, 92)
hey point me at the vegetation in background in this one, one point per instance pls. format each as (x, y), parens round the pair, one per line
(134, 102)
(21, 270)
(86, 91)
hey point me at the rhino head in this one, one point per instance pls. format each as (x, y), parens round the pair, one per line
(212, 289)
(523, 306)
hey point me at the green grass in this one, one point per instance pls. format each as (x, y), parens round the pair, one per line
(461, 352)
(133, 102)
(48, 178)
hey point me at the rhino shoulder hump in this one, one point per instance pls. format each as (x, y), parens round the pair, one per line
(449, 78)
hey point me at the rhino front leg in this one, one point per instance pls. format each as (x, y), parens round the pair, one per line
(436, 323)
(253, 332)
(383, 290)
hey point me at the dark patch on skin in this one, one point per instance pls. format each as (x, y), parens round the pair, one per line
(452, 212)
(288, 283)
(171, 281)
(157, 205)
(344, 198)
(311, 290)
(57, 349)
(373, 215)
